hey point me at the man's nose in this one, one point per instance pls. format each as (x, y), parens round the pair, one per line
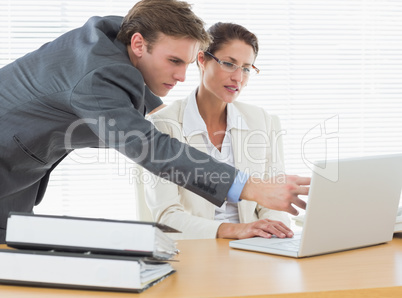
(180, 74)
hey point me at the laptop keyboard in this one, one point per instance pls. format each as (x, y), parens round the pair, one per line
(292, 245)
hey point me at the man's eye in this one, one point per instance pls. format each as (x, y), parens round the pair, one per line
(246, 70)
(175, 61)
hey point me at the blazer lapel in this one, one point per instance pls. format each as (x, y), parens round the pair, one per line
(241, 162)
(238, 141)
(197, 141)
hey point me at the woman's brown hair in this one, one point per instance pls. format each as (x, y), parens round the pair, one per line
(223, 33)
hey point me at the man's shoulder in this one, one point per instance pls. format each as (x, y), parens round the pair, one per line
(100, 30)
(106, 21)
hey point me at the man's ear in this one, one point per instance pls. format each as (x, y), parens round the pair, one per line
(138, 44)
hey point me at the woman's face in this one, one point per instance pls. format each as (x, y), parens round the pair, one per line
(222, 84)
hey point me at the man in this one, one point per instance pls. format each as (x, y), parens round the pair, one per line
(91, 87)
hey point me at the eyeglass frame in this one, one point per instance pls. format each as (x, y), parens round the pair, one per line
(220, 62)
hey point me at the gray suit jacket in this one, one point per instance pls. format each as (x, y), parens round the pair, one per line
(81, 90)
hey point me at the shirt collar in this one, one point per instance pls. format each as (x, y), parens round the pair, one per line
(194, 124)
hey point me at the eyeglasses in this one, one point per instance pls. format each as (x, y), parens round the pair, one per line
(231, 67)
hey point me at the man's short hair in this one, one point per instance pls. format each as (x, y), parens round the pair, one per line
(170, 17)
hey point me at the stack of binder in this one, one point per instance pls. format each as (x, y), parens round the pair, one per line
(76, 252)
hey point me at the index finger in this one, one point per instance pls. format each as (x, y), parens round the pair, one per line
(302, 180)
(292, 210)
(301, 190)
(299, 203)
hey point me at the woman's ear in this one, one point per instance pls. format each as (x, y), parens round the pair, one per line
(138, 44)
(201, 60)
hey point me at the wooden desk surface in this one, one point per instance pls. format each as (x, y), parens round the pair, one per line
(209, 268)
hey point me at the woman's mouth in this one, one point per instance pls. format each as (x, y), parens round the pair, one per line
(232, 89)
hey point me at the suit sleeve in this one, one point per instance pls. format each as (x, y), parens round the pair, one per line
(109, 99)
(166, 200)
(151, 101)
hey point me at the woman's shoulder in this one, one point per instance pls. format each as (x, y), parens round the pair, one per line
(171, 111)
(253, 112)
(169, 119)
(257, 117)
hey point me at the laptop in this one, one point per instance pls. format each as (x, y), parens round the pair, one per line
(352, 203)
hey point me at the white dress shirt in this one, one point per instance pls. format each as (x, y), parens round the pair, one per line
(193, 124)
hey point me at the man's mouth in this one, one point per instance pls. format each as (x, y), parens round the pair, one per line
(169, 86)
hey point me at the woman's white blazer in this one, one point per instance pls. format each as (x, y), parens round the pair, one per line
(257, 151)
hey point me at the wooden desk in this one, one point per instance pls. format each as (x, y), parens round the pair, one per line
(209, 268)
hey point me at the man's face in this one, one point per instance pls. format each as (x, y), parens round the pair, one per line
(167, 63)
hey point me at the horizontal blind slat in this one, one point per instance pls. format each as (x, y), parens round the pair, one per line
(318, 59)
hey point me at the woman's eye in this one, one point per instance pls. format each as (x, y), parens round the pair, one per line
(228, 64)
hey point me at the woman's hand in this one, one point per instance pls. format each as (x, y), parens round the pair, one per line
(260, 228)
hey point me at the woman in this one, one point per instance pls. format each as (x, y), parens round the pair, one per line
(239, 134)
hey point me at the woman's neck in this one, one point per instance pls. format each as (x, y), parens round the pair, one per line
(214, 113)
(212, 110)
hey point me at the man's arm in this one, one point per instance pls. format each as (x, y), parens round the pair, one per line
(108, 101)
(157, 109)
(101, 98)
(279, 193)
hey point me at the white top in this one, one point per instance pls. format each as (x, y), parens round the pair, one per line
(193, 124)
(257, 149)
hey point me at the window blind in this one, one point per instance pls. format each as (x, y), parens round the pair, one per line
(331, 70)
